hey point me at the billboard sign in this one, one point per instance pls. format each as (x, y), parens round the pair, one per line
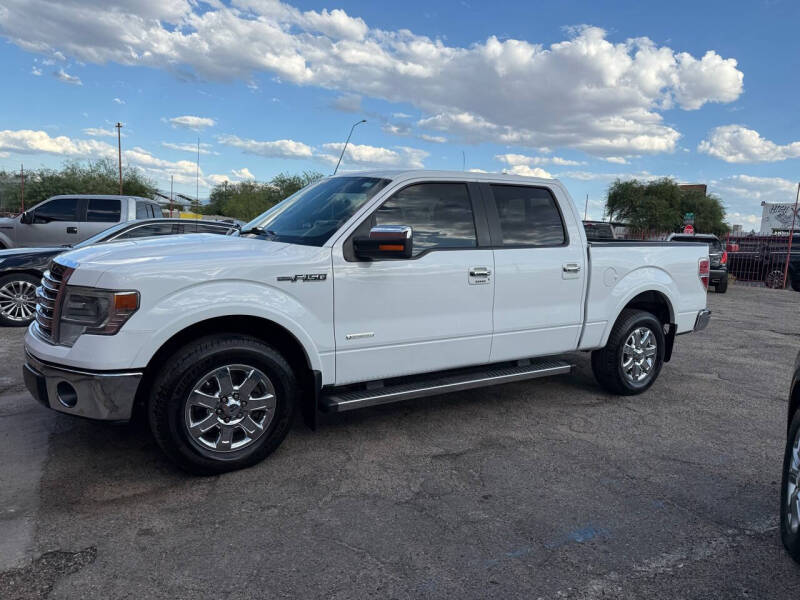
(778, 216)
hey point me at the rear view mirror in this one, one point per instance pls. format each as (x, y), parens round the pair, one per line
(26, 218)
(385, 241)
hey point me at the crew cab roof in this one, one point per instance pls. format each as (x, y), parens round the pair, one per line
(401, 175)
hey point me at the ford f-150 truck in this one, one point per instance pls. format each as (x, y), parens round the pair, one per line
(358, 290)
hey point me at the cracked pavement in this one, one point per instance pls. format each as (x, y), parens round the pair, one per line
(543, 489)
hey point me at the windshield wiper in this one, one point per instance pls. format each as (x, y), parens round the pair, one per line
(259, 231)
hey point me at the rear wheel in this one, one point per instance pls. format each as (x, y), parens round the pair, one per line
(18, 299)
(790, 491)
(222, 403)
(633, 356)
(774, 279)
(795, 283)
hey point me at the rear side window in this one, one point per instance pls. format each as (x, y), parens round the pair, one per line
(149, 230)
(103, 210)
(439, 214)
(208, 228)
(60, 209)
(141, 211)
(528, 216)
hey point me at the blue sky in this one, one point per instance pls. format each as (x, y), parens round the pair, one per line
(583, 91)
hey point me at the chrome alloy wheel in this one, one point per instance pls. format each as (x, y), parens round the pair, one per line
(229, 408)
(792, 507)
(639, 355)
(18, 300)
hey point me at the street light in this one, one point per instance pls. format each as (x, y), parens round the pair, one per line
(347, 142)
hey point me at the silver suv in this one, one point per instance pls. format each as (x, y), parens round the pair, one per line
(69, 219)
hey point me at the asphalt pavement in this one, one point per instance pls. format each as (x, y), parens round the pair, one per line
(542, 489)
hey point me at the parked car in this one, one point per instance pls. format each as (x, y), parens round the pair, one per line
(763, 258)
(65, 220)
(21, 269)
(443, 281)
(716, 253)
(790, 484)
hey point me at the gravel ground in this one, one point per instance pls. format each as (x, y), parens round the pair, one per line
(544, 489)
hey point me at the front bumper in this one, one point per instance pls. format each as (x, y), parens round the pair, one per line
(703, 317)
(107, 396)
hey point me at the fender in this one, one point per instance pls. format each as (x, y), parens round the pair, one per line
(6, 241)
(224, 298)
(638, 281)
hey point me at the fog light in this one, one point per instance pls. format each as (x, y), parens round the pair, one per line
(67, 394)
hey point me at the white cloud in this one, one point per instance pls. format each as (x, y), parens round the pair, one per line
(601, 96)
(619, 160)
(594, 176)
(362, 155)
(436, 139)
(527, 171)
(243, 173)
(743, 194)
(100, 132)
(272, 149)
(118, 101)
(192, 122)
(738, 144)
(191, 148)
(35, 71)
(62, 75)
(516, 160)
(26, 141)
(347, 103)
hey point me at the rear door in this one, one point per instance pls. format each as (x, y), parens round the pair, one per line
(55, 223)
(539, 265)
(101, 213)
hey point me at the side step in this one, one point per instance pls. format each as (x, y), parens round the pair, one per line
(342, 400)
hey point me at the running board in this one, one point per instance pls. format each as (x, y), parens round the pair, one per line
(339, 401)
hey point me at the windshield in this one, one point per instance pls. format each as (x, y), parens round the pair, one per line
(102, 236)
(312, 215)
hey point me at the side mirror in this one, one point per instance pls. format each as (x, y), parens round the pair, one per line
(26, 218)
(385, 241)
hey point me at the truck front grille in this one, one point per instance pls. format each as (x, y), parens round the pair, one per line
(48, 296)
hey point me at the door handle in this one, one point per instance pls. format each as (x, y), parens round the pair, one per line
(571, 268)
(72, 230)
(479, 272)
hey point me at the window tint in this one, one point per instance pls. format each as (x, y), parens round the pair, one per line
(60, 209)
(208, 228)
(528, 216)
(103, 210)
(150, 230)
(439, 214)
(141, 210)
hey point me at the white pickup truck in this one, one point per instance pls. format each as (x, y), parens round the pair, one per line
(358, 290)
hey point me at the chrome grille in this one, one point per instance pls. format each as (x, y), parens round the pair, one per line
(47, 297)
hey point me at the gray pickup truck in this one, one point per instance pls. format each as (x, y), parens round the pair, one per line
(69, 219)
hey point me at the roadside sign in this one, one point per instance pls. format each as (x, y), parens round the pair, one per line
(689, 229)
(688, 219)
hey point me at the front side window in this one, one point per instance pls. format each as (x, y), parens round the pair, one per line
(439, 214)
(528, 216)
(60, 209)
(312, 215)
(103, 210)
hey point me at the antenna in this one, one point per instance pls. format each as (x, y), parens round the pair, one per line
(463, 161)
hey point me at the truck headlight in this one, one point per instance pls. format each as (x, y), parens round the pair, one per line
(94, 311)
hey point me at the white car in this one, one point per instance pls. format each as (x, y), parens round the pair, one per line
(358, 290)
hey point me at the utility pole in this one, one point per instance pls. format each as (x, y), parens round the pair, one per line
(463, 161)
(347, 142)
(171, 186)
(586, 207)
(197, 180)
(119, 153)
(22, 184)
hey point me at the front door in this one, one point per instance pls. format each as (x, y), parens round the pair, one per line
(429, 312)
(55, 223)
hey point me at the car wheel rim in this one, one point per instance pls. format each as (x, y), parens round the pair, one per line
(775, 279)
(18, 301)
(229, 408)
(793, 487)
(639, 355)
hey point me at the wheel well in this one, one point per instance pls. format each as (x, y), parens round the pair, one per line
(32, 273)
(657, 304)
(794, 403)
(267, 331)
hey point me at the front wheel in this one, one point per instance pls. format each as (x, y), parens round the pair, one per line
(18, 299)
(222, 403)
(631, 360)
(790, 491)
(774, 279)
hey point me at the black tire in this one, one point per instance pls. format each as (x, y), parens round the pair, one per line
(722, 286)
(607, 362)
(185, 368)
(19, 281)
(795, 283)
(791, 539)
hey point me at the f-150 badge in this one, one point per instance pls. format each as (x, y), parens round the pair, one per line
(306, 277)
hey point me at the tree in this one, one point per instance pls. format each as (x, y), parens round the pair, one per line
(93, 177)
(247, 199)
(660, 205)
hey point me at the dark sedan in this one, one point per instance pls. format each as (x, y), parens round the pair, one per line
(22, 269)
(790, 486)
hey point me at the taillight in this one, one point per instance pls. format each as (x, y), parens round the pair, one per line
(703, 271)
(724, 259)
